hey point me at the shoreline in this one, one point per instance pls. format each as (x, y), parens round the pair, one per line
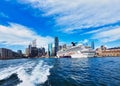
(60, 58)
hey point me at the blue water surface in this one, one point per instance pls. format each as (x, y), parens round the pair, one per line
(104, 71)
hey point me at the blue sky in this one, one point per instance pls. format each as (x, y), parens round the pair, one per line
(22, 21)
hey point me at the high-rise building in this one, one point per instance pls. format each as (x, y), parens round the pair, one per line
(63, 47)
(39, 52)
(92, 45)
(43, 51)
(29, 49)
(56, 45)
(53, 51)
(27, 52)
(34, 52)
(50, 49)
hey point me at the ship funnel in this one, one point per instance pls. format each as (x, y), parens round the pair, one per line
(73, 43)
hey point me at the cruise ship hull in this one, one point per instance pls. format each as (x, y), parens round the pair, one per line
(77, 55)
(82, 55)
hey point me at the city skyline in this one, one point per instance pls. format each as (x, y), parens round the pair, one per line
(22, 21)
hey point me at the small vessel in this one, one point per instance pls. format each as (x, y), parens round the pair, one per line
(79, 51)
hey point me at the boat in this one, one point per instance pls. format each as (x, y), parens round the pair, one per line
(78, 51)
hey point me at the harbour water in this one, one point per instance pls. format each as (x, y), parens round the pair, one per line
(60, 72)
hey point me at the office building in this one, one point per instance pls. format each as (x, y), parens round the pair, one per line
(43, 51)
(50, 50)
(32, 50)
(103, 51)
(39, 52)
(92, 45)
(20, 53)
(56, 45)
(8, 54)
(27, 52)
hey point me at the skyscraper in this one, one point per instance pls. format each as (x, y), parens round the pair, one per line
(92, 45)
(50, 49)
(56, 45)
(32, 50)
(43, 51)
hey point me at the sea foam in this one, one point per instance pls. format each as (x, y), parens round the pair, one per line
(39, 75)
(30, 73)
(7, 72)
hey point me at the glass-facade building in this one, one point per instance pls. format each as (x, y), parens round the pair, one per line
(56, 45)
(50, 49)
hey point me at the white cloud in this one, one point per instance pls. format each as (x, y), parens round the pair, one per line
(79, 14)
(73, 15)
(16, 34)
(108, 35)
(93, 31)
(85, 41)
(100, 30)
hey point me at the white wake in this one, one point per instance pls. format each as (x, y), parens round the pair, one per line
(38, 75)
(6, 72)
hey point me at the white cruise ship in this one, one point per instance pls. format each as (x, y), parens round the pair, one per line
(78, 51)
